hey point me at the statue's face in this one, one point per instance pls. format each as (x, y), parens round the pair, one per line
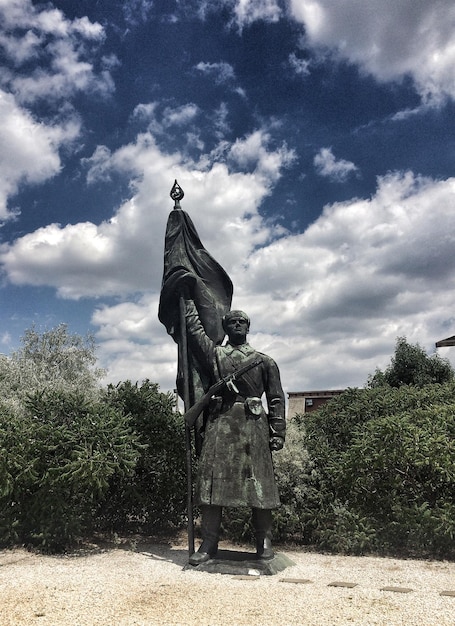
(236, 329)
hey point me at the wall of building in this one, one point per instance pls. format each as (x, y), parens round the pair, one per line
(301, 402)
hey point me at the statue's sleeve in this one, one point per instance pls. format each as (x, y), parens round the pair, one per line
(201, 345)
(275, 399)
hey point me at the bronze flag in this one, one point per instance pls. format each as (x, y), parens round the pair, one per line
(189, 268)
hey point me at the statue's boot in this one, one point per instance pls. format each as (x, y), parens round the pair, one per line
(262, 523)
(210, 527)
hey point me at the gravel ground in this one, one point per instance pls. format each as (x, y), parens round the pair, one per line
(145, 584)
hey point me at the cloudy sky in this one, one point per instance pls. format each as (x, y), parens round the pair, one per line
(315, 143)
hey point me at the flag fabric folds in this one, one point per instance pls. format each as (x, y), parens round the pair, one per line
(189, 268)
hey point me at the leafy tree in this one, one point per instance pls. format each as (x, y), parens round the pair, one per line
(54, 359)
(411, 365)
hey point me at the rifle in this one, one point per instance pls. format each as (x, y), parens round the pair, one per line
(193, 412)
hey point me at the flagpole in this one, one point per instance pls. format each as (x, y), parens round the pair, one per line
(177, 194)
(186, 402)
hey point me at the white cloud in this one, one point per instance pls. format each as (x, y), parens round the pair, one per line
(245, 12)
(160, 119)
(145, 111)
(52, 58)
(327, 304)
(179, 116)
(337, 170)
(20, 49)
(336, 297)
(124, 255)
(66, 75)
(253, 152)
(389, 40)
(63, 49)
(135, 343)
(220, 72)
(248, 11)
(5, 339)
(29, 149)
(300, 66)
(23, 15)
(136, 11)
(220, 121)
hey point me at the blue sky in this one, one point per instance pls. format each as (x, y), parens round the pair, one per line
(315, 143)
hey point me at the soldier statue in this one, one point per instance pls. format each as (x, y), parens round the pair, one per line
(235, 468)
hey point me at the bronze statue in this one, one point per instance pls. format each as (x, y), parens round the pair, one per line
(222, 387)
(235, 466)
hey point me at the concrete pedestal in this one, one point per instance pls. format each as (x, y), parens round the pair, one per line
(242, 564)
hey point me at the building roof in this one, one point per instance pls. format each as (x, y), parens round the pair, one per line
(321, 392)
(450, 341)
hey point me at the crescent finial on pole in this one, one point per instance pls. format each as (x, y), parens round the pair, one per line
(176, 194)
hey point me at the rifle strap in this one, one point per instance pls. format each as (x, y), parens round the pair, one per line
(245, 377)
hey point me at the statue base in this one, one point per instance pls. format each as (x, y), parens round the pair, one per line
(242, 564)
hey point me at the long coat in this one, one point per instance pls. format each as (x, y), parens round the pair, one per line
(235, 467)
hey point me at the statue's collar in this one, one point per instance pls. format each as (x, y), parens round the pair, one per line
(244, 348)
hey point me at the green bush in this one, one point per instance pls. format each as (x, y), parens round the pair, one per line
(405, 478)
(153, 498)
(57, 462)
(74, 457)
(384, 461)
(297, 481)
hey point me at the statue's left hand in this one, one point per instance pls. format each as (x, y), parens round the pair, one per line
(276, 443)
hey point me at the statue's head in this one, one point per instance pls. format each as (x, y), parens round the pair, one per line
(236, 325)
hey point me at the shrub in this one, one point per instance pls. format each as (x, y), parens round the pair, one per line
(57, 462)
(153, 497)
(297, 481)
(405, 478)
(76, 458)
(385, 465)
